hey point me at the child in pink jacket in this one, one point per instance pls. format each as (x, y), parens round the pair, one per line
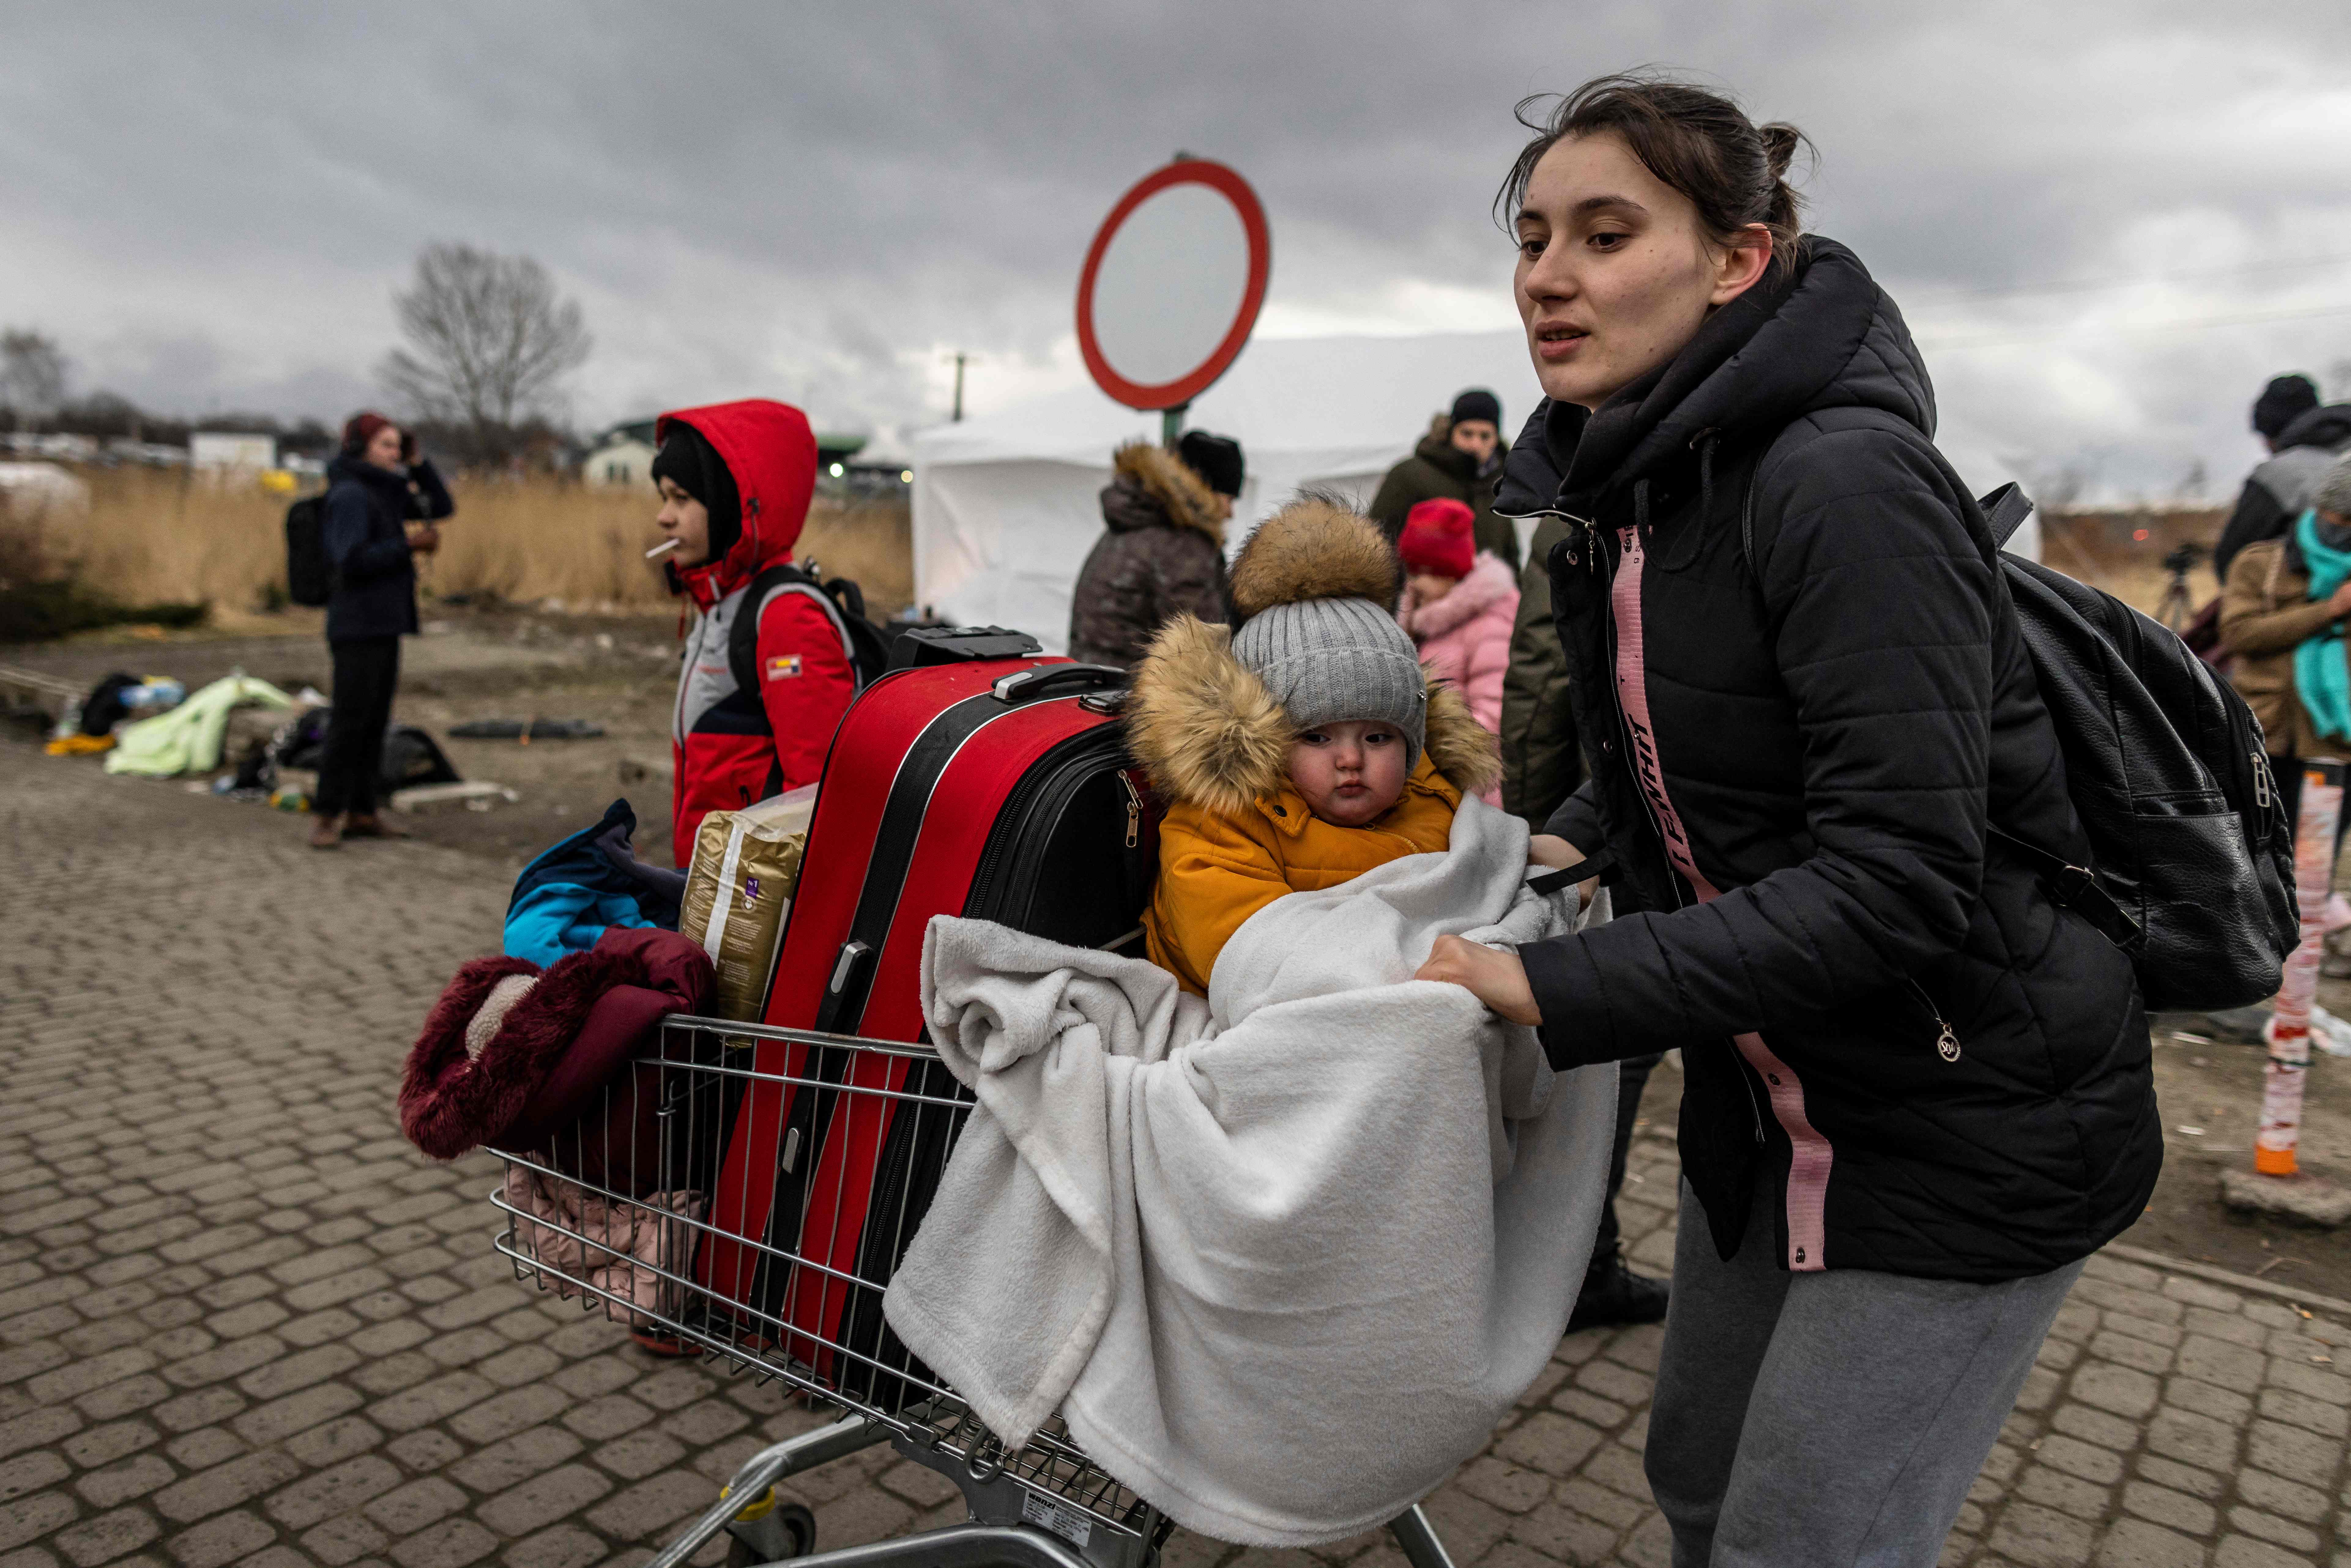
(1459, 604)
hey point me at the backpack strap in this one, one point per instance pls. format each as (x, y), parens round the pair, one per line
(743, 637)
(2076, 888)
(2005, 511)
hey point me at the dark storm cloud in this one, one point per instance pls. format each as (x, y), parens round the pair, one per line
(822, 201)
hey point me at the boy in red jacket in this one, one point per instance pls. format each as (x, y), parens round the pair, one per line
(735, 480)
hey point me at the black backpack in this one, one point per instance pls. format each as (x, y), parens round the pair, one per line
(2192, 852)
(869, 651)
(309, 576)
(2193, 849)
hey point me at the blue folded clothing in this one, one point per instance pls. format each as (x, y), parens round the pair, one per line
(573, 893)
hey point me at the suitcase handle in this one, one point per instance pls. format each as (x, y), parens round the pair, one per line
(1035, 682)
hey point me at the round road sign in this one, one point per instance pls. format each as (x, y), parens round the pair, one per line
(1172, 285)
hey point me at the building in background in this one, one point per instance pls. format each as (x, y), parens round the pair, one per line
(224, 449)
(622, 455)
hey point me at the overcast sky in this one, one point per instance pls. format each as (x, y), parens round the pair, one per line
(210, 207)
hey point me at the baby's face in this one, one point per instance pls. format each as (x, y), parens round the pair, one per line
(1349, 771)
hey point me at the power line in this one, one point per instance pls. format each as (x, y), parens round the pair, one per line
(2087, 285)
(2184, 324)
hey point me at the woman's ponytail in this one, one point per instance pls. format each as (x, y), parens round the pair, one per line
(1784, 208)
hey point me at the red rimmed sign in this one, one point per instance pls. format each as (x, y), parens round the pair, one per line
(1172, 285)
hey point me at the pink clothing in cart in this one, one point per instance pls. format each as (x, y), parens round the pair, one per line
(632, 1248)
(1464, 638)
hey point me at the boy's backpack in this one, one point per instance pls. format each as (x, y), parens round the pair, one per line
(309, 576)
(2191, 850)
(843, 602)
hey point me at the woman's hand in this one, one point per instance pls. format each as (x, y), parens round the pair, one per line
(424, 540)
(1492, 976)
(2339, 600)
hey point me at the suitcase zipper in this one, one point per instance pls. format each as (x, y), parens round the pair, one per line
(1133, 810)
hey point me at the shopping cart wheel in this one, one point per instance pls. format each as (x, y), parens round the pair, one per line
(797, 1527)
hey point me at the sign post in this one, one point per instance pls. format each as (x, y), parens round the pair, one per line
(1171, 287)
(2277, 1184)
(2289, 1029)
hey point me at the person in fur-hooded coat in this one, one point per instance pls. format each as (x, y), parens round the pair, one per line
(1214, 712)
(1162, 554)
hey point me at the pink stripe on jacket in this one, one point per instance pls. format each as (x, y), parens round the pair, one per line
(1810, 1153)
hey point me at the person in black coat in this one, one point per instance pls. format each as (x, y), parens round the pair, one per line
(2304, 441)
(382, 499)
(1918, 1092)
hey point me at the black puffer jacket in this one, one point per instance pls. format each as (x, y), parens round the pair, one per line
(1881, 1013)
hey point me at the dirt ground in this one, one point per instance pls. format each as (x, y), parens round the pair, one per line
(621, 673)
(617, 672)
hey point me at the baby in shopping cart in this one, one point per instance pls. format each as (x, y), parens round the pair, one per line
(1300, 750)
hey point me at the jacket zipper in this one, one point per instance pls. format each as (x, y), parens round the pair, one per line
(1133, 810)
(1947, 1039)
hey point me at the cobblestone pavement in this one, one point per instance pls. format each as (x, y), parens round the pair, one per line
(242, 1321)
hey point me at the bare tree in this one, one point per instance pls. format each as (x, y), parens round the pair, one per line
(487, 338)
(32, 373)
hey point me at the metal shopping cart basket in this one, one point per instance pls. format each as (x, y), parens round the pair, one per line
(637, 1214)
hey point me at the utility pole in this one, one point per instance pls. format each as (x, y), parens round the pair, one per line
(958, 415)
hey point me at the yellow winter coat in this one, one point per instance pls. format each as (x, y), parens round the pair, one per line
(1216, 743)
(1216, 870)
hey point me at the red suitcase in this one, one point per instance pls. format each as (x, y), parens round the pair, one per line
(999, 790)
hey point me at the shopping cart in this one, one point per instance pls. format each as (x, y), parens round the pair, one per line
(627, 1213)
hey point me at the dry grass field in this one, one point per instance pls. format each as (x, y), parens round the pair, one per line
(152, 536)
(2123, 551)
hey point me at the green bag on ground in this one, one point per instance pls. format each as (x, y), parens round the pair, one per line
(188, 738)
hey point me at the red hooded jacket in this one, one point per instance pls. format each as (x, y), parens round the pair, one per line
(728, 743)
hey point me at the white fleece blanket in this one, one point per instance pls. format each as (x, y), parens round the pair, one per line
(1283, 1259)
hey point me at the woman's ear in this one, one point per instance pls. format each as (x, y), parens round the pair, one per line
(1740, 264)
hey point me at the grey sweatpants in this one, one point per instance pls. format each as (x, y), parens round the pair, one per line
(1832, 1419)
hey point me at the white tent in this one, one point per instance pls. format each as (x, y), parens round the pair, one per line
(1005, 507)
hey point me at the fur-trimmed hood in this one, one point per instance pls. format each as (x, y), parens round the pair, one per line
(1490, 580)
(1152, 487)
(1211, 735)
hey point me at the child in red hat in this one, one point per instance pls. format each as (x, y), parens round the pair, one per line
(1459, 603)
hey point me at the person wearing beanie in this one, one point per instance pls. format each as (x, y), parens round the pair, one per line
(2304, 440)
(1162, 552)
(1459, 459)
(1303, 748)
(382, 499)
(1459, 605)
(735, 481)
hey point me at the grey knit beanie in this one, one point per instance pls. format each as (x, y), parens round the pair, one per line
(1313, 584)
(1328, 660)
(2334, 492)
